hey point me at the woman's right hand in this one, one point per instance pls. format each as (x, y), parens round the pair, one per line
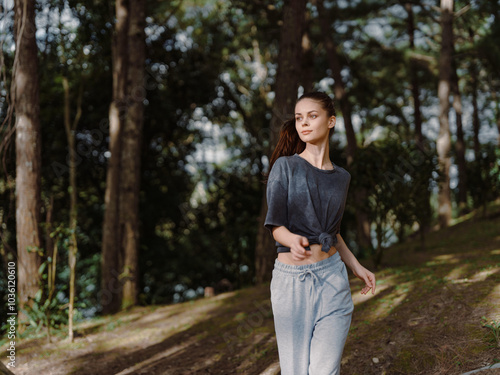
(297, 248)
(295, 242)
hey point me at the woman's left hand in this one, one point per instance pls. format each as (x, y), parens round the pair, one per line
(366, 276)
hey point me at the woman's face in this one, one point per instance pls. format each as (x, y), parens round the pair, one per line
(312, 121)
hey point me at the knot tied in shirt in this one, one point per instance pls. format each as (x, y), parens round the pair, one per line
(327, 241)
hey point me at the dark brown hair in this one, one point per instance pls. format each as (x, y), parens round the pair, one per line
(289, 141)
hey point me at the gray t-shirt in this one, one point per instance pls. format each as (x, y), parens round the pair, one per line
(307, 200)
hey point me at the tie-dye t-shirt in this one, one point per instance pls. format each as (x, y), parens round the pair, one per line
(307, 200)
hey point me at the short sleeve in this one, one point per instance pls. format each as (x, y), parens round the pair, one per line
(277, 196)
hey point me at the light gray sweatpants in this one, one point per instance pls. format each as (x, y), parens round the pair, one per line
(312, 308)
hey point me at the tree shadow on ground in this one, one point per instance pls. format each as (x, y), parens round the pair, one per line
(236, 337)
(428, 321)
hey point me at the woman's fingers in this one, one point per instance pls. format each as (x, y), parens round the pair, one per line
(370, 282)
(304, 241)
(298, 254)
(298, 249)
(298, 257)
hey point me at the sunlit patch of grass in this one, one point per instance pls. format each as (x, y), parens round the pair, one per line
(425, 316)
(384, 306)
(457, 273)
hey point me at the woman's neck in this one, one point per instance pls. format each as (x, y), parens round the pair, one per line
(317, 156)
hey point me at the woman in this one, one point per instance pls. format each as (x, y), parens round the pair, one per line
(306, 195)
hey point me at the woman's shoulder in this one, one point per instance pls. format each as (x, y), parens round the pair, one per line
(343, 172)
(295, 162)
(285, 158)
(283, 162)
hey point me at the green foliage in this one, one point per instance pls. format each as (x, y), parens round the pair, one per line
(396, 179)
(44, 310)
(494, 327)
(48, 308)
(42, 313)
(215, 241)
(484, 176)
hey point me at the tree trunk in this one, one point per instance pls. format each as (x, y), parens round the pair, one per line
(444, 140)
(359, 195)
(131, 155)
(498, 121)
(415, 87)
(70, 128)
(338, 86)
(377, 259)
(307, 77)
(460, 144)
(121, 220)
(50, 253)
(497, 114)
(49, 227)
(290, 50)
(475, 111)
(417, 115)
(25, 95)
(111, 262)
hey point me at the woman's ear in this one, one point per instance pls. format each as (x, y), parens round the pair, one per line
(332, 121)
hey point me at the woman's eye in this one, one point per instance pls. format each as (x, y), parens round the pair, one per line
(298, 118)
(313, 116)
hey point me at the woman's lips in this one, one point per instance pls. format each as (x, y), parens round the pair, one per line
(306, 132)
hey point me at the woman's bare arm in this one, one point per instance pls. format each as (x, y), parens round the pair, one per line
(295, 242)
(350, 260)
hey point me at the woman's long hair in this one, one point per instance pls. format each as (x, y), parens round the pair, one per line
(289, 141)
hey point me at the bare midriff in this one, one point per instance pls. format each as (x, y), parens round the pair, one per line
(316, 255)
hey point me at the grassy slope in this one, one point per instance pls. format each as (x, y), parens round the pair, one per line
(424, 319)
(426, 316)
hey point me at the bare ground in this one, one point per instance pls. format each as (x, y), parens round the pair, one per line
(424, 319)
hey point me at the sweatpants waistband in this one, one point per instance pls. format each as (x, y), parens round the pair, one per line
(317, 266)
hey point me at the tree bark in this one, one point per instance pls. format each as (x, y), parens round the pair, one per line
(131, 154)
(460, 144)
(338, 86)
(475, 111)
(25, 96)
(497, 114)
(362, 220)
(307, 77)
(111, 261)
(415, 87)
(444, 139)
(498, 120)
(417, 113)
(70, 128)
(121, 220)
(285, 89)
